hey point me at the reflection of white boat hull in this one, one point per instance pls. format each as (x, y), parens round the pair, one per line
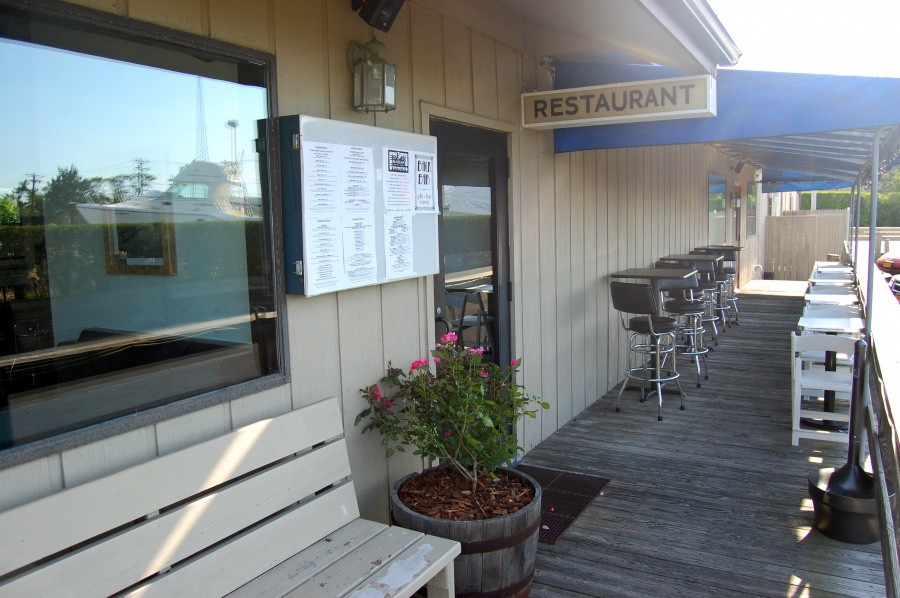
(139, 212)
(200, 191)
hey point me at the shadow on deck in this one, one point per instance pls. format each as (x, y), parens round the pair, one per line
(713, 500)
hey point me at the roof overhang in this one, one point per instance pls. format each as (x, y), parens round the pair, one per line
(682, 34)
(817, 127)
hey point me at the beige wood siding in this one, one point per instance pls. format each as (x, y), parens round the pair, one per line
(574, 219)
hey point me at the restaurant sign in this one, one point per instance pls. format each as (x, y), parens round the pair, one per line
(660, 99)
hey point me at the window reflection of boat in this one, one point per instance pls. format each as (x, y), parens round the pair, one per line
(200, 191)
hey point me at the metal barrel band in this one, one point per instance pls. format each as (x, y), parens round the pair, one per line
(510, 590)
(501, 542)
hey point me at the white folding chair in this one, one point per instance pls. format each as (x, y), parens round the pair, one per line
(809, 384)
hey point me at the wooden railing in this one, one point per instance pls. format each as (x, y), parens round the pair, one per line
(887, 237)
(883, 312)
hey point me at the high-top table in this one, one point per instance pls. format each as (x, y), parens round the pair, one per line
(720, 248)
(831, 277)
(831, 267)
(692, 258)
(835, 298)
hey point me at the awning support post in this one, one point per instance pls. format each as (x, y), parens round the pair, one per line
(873, 221)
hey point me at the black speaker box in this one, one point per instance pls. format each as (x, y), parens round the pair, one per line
(380, 14)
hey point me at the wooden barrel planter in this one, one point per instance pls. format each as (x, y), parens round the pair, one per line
(498, 555)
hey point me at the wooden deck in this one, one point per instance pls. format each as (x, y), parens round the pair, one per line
(713, 500)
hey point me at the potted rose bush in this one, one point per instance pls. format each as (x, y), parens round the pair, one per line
(461, 410)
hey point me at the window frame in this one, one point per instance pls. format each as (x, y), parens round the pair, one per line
(106, 24)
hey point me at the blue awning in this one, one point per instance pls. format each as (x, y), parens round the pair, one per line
(784, 180)
(819, 128)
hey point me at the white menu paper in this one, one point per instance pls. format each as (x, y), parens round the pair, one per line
(397, 184)
(398, 241)
(425, 183)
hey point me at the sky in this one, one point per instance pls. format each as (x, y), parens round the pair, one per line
(100, 115)
(834, 37)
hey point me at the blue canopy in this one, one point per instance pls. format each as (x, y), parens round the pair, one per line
(817, 128)
(785, 180)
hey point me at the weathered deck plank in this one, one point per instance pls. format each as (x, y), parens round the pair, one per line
(712, 501)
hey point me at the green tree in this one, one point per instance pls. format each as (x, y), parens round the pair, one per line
(66, 188)
(9, 209)
(890, 181)
(118, 187)
(30, 201)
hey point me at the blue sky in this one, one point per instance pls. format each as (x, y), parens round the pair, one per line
(59, 113)
(837, 37)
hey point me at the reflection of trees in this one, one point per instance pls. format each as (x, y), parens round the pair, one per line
(26, 203)
(9, 209)
(118, 187)
(69, 187)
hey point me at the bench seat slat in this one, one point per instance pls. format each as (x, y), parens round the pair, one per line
(359, 564)
(44, 527)
(251, 554)
(128, 557)
(306, 564)
(437, 575)
(400, 577)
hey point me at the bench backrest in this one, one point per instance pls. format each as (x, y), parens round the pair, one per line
(200, 521)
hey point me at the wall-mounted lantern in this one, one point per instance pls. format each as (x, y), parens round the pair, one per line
(374, 79)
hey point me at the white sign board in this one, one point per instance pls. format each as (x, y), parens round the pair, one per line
(359, 205)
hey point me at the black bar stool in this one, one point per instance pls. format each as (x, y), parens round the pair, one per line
(731, 298)
(652, 340)
(723, 280)
(682, 304)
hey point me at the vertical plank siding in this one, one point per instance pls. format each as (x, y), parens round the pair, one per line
(574, 219)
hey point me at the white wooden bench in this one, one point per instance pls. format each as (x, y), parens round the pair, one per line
(266, 510)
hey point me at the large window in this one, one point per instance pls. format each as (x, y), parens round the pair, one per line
(135, 268)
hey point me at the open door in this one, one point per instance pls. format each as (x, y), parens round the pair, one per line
(474, 235)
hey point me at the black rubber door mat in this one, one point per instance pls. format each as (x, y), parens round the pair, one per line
(565, 494)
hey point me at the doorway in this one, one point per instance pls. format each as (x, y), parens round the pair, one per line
(473, 173)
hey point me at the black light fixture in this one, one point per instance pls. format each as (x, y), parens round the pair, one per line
(380, 14)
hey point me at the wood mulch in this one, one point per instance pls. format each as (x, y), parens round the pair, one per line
(443, 493)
